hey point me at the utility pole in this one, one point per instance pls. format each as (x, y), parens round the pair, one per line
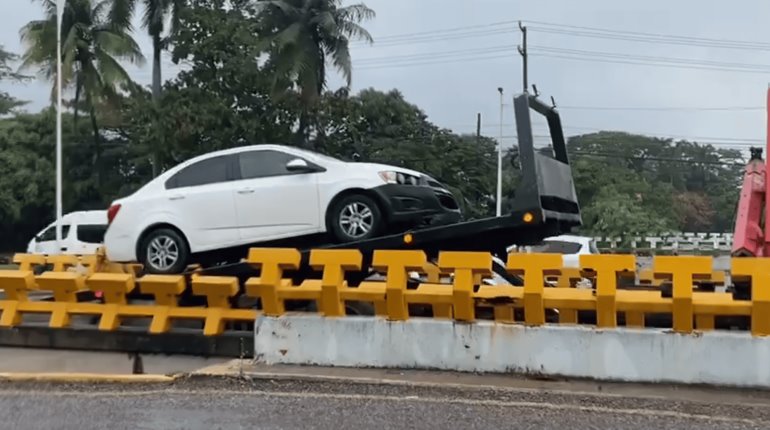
(499, 199)
(523, 51)
(60, 4)
(478, 127)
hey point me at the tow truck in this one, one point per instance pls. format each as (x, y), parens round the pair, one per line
(545, 204)
(751, 235)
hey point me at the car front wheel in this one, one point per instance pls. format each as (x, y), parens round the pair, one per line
(164, 251)
(355, 217)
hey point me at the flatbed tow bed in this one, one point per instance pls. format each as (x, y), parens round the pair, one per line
(545, 205)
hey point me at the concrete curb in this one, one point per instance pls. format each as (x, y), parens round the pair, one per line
(620, 355)
(86, 378)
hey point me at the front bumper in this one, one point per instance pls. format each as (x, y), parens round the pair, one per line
(415, 205)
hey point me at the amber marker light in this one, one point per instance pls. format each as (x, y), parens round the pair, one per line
(528, 217)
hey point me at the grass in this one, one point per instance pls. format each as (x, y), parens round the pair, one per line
(8, 267)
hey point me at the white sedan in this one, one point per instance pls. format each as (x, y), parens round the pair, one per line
(267, 193)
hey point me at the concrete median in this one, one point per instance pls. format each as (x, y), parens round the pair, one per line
(629, 355)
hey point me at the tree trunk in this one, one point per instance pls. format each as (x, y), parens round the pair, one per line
(97, 147)
(156, 89)
(301, 138)
(157, 49)
(78, 83)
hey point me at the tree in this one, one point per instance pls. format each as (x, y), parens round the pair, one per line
(7, 102)
(614, 214)
(687, 185)
(91, 48)
(222, 100)
(301, 35)
(156, 13)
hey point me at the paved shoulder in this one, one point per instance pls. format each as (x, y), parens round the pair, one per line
(205, 403)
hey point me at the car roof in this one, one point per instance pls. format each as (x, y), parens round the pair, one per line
(83, 217)
(300, 152)
(259, 147)
(570, 238)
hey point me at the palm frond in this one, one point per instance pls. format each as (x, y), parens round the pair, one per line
(154, 17)
(121, 12)
(354, 31)
(119, 44)
(356, 13)
(111, 72)
(340, 53)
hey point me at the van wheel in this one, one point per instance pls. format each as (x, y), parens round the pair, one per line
(164, 251)
(355, 217)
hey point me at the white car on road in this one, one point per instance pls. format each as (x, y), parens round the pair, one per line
(82, 234)
(571, 247)
(267, 193)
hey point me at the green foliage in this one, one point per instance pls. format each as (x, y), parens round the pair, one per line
(301, 37)
(7, 102)
(683, 186)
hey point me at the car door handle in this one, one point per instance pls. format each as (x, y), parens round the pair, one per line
(177, 197)
(246, 191)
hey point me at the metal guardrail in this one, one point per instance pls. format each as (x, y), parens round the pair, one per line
(461, 301)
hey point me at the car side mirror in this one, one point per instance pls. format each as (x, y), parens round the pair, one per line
(298, 165)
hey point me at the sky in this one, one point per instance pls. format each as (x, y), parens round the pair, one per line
(693, 69)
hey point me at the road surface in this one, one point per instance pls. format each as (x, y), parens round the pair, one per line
(232, 403)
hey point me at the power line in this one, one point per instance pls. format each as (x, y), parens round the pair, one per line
(678, 61)
(708, 42)
(403, 36)
(434, 38)
(433, 55)
(599, 60)
(663, 109)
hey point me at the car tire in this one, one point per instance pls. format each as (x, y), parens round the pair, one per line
(164, 252)
(355, 217)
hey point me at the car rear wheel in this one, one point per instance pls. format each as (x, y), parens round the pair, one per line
(355, 217)
(164, 251)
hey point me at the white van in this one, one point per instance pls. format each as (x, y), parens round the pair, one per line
(82, 233)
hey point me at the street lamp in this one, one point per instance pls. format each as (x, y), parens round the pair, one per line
(500, 159)
(59, 12)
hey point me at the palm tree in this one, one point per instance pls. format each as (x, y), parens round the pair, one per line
(154, 20)
(156, 12)
(301, 35)
(91, 49)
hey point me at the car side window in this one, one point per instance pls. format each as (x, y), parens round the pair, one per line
(91, 233)
(50, 233)
(209, 171)
(262, 164)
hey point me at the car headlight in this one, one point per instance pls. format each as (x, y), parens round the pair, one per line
(392, 177)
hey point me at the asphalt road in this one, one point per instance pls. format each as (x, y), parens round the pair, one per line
(278, 404)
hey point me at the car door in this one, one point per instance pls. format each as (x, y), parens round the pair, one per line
(199, 198)
(45, 242)
(273, 202)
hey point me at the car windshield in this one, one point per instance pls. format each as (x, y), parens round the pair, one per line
(557, 247)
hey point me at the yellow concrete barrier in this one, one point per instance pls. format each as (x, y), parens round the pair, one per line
(461, 300)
